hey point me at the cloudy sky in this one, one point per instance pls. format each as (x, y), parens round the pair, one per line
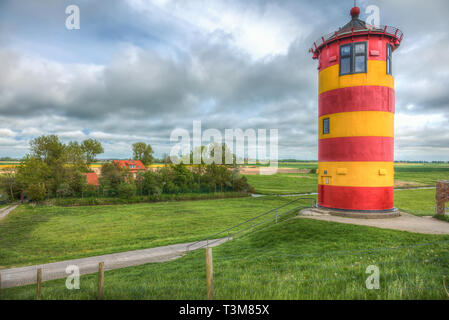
(138, 69)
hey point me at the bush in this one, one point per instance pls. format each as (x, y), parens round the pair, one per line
(3, 197)
(36, 192)
(91, 190)
(64, 190)
(67, 202)
(242, 185)
(126, 190)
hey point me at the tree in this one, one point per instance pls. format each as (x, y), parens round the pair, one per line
(77, 181)
(183, 178)
(47, 148)
(143, 152)
(212, 176)
(112, 175)
(52, 152)
(91, 148)
(166, 177)
(36, 192)
(224, 178)
(198, 168)
(76, 156)
(32, 171)
(208, 154)
(56, 167)
(151, 184)
(64, 190)
(8, 182)
(126, 190)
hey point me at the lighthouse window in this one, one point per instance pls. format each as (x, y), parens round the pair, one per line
(389, 59)
(326, 126)
(353, 58)
(345, 59)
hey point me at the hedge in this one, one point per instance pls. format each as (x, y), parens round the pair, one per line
(98, 201)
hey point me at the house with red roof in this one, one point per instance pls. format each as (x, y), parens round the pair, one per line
(133, 166)
(92, 179)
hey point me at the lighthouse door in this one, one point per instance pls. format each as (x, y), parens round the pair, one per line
(325, 196)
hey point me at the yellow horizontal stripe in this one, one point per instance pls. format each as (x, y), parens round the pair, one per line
(357, 174)
(330, 79)
(358, 124)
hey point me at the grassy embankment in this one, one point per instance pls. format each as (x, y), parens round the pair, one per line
(296, 259)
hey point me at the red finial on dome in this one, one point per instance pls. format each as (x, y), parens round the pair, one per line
(355, 12)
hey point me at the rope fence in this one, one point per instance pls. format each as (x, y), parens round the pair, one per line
(195, 277)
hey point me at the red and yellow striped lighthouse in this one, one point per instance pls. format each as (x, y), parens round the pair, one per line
(356, 116)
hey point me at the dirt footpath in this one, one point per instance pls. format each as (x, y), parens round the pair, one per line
(256, 170)
(5, 211)
(57, 270)
(406, 222)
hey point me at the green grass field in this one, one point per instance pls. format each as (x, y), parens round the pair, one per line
(418, 175)
(296, 259)
(284, 183)
(417, 202)
(50, 233)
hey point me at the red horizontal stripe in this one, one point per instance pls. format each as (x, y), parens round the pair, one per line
(362, 98)
(329, 56)
(356, 198)
(356, 149)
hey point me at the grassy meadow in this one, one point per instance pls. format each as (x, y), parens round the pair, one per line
(408, 175)
(295, 259)
(33, 235)
(284, 183)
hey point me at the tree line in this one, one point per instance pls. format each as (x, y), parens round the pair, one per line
(53, 169)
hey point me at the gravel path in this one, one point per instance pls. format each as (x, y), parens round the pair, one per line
(7, 210)
(406, 222)
(51, 271)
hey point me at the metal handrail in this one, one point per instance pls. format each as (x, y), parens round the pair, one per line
(227, 231)
(388, 30)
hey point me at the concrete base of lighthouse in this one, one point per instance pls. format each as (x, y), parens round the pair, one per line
(384, 214)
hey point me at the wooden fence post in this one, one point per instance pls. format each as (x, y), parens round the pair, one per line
(39, 284)
(209, 274)
(100, 280)
(442, 196)
(444, 286)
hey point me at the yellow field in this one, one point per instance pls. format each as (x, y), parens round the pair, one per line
(12, 166)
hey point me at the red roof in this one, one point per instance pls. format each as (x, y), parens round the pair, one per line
(92, 179)
(132, 165)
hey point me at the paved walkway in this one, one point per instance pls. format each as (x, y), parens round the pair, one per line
(406, 222)
(7, 210)
(27, 275)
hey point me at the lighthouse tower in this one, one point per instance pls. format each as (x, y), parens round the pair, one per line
(356, 116)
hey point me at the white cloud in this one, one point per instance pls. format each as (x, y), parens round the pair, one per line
(260, 33)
